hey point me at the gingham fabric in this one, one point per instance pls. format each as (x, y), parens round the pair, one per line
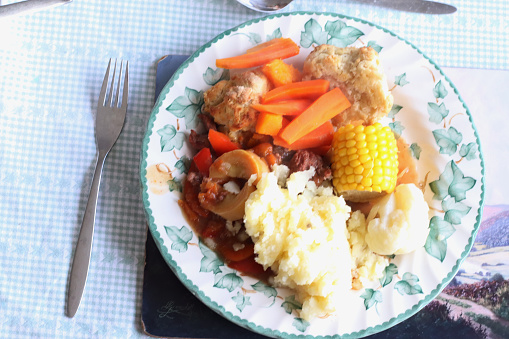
(51, 67)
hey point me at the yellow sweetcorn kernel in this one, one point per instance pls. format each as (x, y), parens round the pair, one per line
(364, 161)
(358, 170)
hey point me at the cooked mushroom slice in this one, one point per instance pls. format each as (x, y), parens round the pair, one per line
(237, 164)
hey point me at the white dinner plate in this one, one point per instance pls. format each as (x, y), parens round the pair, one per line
(428, 113)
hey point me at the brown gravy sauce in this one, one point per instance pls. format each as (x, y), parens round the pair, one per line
(158, 176)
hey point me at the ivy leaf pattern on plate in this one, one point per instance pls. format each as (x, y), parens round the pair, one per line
(268, 291)
(388, 274)
(451, 182)
(375, 46)
(454, 211)
(440, 92)
(253, 37)
(180, 237)
(241, 301)
(341, 35)
(415, 150)
(170, 138)
(183, 164)
(371, 298)
(336, 33)
(188, 106)
(213, 76)
(291, 304)
(437, 113)
(400, 80)
(460, 185)
(276, 34)
(175, 184)
(408, 284)
(394, 110)
(229, 281)
(436, 243)
(210, 261)
(448, 141)
(397, 128)
(300, 324)
(313, 34)
(469, 151)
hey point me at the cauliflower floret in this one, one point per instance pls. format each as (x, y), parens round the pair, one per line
(368, 265)
(398, 223)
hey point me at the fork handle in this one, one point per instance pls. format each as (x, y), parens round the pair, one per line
(83, 250)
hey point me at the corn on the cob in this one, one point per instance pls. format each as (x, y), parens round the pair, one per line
(364, 161)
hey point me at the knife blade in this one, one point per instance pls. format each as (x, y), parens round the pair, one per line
(414, 6)
(29, 6)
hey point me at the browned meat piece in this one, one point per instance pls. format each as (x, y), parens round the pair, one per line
(304, 160)
(198, 141)
(194, 178)
(229, 103)
(208, 122)
(359, 75)
(284, 154)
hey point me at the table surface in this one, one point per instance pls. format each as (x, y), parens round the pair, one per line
(51, 67)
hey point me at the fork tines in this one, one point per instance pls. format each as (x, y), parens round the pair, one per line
(113, 98)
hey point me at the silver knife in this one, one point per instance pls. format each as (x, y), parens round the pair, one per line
(414, 6)
(29, 6)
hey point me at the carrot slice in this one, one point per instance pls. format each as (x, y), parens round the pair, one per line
(316, 139)
(323, 109)
(221, 143)
(285, 123)
(281, 49)
(311, 89)
(231, 255)
(280, 73)
(268, 123)
(285, 107)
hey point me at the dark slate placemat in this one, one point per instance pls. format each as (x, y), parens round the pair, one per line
(169, 309)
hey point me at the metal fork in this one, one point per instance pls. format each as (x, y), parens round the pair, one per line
(108, 125)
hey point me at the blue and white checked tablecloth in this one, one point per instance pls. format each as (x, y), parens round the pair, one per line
(51, 67)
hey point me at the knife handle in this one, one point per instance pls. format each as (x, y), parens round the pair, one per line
(29, 6)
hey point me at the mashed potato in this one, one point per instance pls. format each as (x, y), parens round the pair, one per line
(398, 223)
(306, 235)
(300, 232)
